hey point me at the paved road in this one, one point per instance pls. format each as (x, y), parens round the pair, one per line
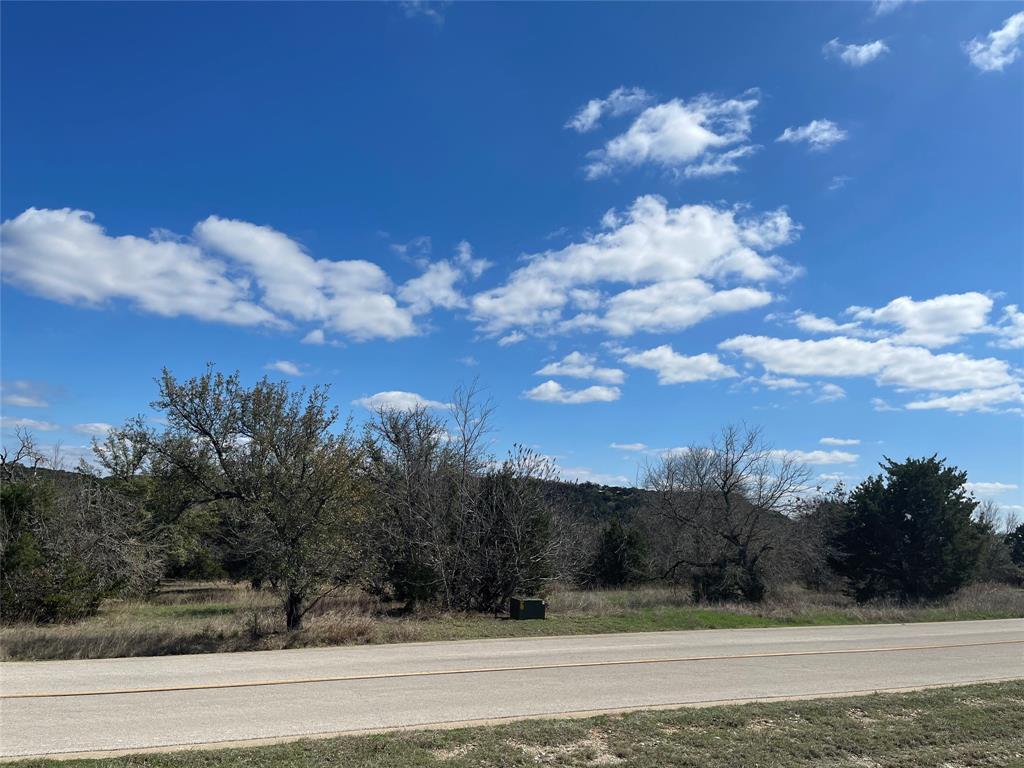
(178, 701)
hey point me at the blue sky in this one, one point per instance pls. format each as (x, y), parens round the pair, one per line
(633, 224)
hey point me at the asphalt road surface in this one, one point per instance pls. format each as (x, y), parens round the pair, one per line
(114, 705)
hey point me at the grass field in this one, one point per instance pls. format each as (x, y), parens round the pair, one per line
(978, 726)
(220, 616)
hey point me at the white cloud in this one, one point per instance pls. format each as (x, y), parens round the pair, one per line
(316, 336)
(673, 368)
(621, 101)
(1010, 329)
(818, 134)
(553, 392)
(891, 364)
(818, 457)
(855, 55)
(581, 366)
(397, 400)
(933, 322)
(980, 399)
(668, 259)
(284, 366)
(676, 133)
(885, 7)
(780, 382)
(811, 323)
(428, 9)
(24, 394)
(634, 447)
(829, 393)
(229, 271)
(434, 288)
(839, 441)
(511, 338)
(720, 164)
(986, 382)
(990, 489)
(1000, 48)
(838, 182)
(587, 475)
(32, 425)
(96, 428)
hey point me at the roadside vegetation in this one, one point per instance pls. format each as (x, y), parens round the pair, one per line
(980, 726)
(206, 617)
(254, 517)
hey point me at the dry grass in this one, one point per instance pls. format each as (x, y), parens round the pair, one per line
(204, 617)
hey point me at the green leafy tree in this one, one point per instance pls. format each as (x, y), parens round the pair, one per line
(909, 532)
(1015, 543)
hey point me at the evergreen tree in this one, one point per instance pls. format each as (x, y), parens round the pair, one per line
(621, 556)
(909, 532)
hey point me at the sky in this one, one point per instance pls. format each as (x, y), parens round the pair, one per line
(630, 224)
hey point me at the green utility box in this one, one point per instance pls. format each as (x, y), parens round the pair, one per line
(526, 608)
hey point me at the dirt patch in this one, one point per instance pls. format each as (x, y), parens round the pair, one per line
(593, 749)
(445, 755)
(858, 715)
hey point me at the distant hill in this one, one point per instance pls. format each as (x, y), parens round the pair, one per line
(597, 502)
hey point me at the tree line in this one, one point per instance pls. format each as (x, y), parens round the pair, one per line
(267, 484)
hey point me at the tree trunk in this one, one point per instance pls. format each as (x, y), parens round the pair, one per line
(293, 611)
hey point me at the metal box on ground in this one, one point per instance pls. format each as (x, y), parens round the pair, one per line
(526, 608)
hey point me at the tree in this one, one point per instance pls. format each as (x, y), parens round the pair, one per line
(909, 532)
(1015, 543)
(69, 540)
(621, 556)
(995, 555)
(451, 523)
(290, 487)
(722, 507)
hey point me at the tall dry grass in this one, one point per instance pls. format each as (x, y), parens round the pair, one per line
(206, 617)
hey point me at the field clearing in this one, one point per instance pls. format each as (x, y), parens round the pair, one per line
(208, 617)
(980, 726)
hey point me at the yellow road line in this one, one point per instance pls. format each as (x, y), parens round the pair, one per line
(484, 670)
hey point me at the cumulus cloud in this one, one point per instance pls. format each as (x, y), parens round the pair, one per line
(983, 383)
(999, 48)
(818, 457)
(1009, 330)
(674, 368)
(980, 399)
(674, 134)
(854, 55)
(581, 366)
(621, 101)
(228, 271)
(316, 336)
(397, 400)
(287, 367)
(829, 393)
(670, 262)
(553, 392)
(935, 322)
(720, 164)
(819, 135)
(634, 447)
(839, 441)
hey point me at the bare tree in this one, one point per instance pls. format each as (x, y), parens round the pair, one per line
(721, 506)
(451, 523)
